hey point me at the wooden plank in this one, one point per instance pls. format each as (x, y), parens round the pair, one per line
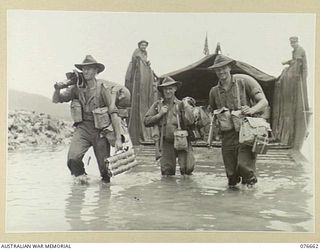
(145, 155)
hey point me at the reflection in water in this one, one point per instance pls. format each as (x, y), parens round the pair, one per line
(41, 196)
(74, 205)
(85, 211)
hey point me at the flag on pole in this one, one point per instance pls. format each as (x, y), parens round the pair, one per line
(218, 49)
(206, 47)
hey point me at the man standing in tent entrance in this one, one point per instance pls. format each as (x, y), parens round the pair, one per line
(140, 82)
(239, 160)
(86, 99)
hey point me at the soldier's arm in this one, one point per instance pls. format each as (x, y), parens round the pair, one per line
(261, 103)
(64, 96)
(287, 62)
(153, 116)
(256, 93)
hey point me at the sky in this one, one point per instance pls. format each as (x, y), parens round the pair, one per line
(43, 45)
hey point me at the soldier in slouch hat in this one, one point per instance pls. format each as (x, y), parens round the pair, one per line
(167, 113)
(236, 92)
(95, 94)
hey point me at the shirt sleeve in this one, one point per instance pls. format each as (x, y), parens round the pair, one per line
(252, 87)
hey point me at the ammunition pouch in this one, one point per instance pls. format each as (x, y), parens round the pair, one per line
(180, 140)
(251, 128)
(223, 116)
(101, 118)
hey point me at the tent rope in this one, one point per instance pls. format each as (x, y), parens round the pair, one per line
(304, 106)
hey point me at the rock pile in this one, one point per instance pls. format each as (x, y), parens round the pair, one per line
(32, 128)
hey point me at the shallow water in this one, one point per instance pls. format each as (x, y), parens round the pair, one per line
(41, 196)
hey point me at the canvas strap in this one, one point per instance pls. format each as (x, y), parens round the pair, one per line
(219, 97)
(238, 96)
(264, 144)
(162, 127)
(161, 137)
(178, 119)
(238, 99)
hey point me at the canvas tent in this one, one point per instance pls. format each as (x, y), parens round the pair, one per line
(198, 80)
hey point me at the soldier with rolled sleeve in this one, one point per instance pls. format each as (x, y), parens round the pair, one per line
(95, 93)
(236, 92)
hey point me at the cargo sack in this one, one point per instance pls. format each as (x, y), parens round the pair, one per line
(260, 145)
(251, 127)
(101, 118)
(180, 137)
(76, 111)
(237, 117)
(223, 117)
(121, 162)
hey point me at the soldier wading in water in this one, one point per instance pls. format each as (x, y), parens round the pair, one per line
(92, 95)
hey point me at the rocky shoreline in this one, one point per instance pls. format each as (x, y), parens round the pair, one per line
(32, 128)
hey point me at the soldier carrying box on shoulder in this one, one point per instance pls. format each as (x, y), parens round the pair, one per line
(90, 97)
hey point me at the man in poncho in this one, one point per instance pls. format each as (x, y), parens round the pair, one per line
(140, 82)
